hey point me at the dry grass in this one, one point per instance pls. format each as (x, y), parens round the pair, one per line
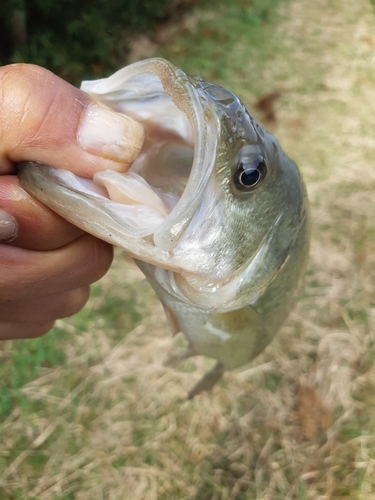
(112, 423)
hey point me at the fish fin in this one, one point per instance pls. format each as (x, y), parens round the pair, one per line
(208, 381)
(172, 321)
(174, 359)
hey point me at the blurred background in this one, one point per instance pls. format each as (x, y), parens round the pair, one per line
(89, 411)
(82, 39)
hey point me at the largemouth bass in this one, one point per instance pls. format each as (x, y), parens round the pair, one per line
(213, 212)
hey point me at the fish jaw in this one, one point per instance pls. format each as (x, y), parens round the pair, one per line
(91, 213)
(126, 91)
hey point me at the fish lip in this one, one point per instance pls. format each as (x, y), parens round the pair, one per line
(45, 183)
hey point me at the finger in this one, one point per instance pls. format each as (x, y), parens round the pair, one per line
(10, 330)
(27, 274)
(45, 309)
(37, 227)
(43, 118)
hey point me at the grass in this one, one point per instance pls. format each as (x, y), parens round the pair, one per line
(89, 411)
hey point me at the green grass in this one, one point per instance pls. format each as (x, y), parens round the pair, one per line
(23, 362)
(78, 40)
(222, 44)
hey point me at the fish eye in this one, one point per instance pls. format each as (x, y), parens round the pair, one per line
(250, 175)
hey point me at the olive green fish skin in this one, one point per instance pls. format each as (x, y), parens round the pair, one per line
(272, 213)
(228, 261)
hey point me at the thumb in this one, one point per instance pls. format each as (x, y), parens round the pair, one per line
(43, 118)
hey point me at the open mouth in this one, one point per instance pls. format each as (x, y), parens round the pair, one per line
(147, 209)
(163, 188)
(159, 195)
(153, 186)
(144, 196)
(161, 192)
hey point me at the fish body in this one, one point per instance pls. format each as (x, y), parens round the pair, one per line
(213, 211)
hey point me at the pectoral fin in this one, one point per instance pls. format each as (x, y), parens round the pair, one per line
(208, 381)
(172, 321)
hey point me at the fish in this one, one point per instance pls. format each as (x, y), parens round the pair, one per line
(212, 211)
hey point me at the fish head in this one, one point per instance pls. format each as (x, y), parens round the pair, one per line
(212, 205)
(254, 201)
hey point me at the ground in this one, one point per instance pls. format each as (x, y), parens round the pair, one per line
(103, 419)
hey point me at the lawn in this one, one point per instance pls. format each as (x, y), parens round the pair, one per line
(89, 412)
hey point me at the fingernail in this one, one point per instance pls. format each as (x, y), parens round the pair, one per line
(8, 227)
(109, 134)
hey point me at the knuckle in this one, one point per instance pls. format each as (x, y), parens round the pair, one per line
(72, 302)
(11, 330)
(98, 259)
(19, 84)
(32, 97)
(30, 313)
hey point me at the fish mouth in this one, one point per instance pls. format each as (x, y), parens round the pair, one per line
(147, 209)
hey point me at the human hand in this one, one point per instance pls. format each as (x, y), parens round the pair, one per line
(46, 264)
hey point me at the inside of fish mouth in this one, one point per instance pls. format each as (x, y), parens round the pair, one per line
(160, 173)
